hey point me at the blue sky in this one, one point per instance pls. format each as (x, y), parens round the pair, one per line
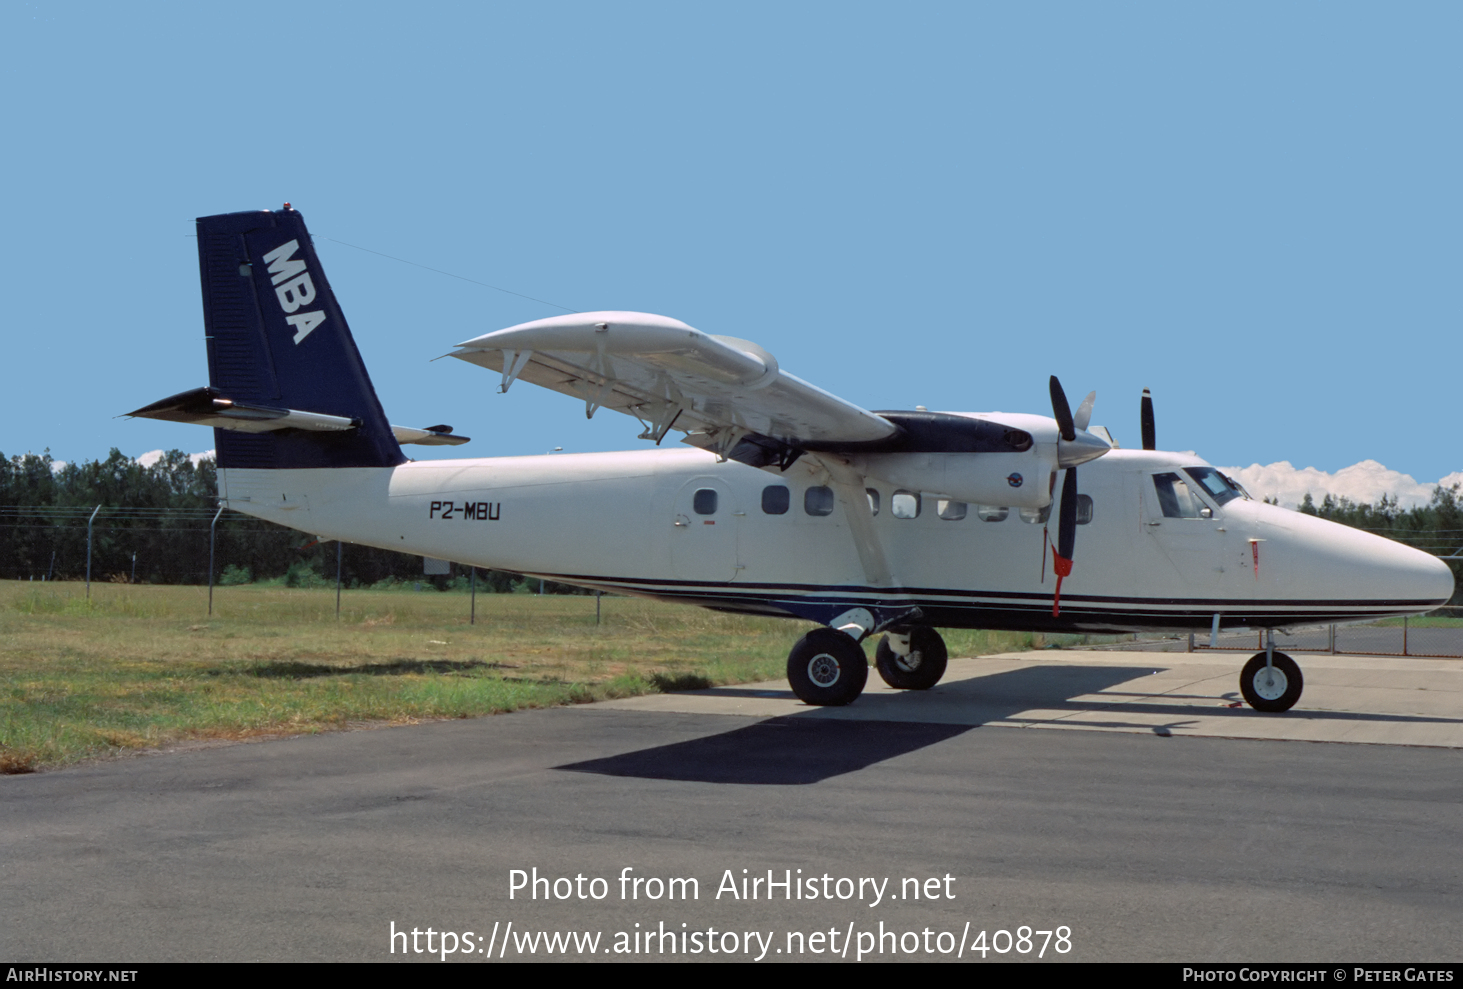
(1252, 209)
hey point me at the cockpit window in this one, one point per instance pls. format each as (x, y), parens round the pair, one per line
(1218, 487)
(1175, 498)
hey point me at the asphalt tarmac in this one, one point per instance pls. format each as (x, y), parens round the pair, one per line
(1085, 794)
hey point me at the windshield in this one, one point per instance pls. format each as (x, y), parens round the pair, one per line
(1215, 484)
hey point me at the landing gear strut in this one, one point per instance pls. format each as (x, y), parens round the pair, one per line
(826, 668)
(1271, 680)
(911, 659)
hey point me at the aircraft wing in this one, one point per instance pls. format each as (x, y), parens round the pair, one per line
(719, 390)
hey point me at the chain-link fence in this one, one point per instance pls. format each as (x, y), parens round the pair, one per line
(136, 545)
(1437, 634)
(140, 545)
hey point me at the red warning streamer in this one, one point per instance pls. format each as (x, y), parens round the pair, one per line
(1062, 567)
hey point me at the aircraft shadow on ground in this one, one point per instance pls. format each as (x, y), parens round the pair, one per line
(807, 748)
(780, 752)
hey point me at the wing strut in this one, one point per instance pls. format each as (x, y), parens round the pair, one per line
(848, 484)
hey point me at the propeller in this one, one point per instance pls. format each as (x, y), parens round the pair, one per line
(1145, 415)
(1071, 451)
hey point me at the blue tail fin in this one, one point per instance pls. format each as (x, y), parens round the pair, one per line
(277, 338)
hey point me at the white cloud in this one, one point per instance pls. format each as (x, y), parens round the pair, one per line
(1367, 481)
(153, 456)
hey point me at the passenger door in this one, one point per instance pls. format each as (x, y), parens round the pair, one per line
(705, 527)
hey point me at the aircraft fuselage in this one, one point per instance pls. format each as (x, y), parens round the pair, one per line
(643, 523)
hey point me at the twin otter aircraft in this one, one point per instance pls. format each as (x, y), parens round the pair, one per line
(789, 501)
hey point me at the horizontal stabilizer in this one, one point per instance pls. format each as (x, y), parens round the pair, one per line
(206, 407)
(429, 436)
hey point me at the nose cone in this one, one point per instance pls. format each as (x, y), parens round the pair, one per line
(1399, 572)
(1437, 575)
(1368, 568)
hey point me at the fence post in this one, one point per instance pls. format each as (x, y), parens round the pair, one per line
(338, 552)
(88, 550)
(472, 615)
(596, 607)
(212, 529)
(1404, 636)
(1332, 643)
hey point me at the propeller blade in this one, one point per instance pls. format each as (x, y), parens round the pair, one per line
(1145, 415)
(1084, 411)
(1062, 412)
(1067, 520)
(1066, 537)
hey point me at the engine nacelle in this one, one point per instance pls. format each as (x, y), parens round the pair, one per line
(1011, 480)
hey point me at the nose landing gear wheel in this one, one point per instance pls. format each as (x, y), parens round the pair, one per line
(1273, 689)
(827, 669)
(921, 664)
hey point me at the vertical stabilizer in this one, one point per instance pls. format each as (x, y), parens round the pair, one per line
(277, 337)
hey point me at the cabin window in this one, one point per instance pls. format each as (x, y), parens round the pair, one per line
(775, 499)
(818, 500)
(1175, 498)
(704, 503)
(992, 513)
(905, 504)
(952, 511)
(1084, 509)
(873, 500)
(1036, 516)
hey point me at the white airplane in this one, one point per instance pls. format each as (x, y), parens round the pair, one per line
(787, 500)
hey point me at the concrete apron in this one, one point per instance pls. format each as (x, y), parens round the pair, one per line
(1378, 700)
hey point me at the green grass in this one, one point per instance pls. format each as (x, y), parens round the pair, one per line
(139, 667)
(1422, 621)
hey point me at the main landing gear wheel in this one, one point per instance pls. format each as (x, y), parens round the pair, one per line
(827, 668)
(921, 663)
(1273, 689)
